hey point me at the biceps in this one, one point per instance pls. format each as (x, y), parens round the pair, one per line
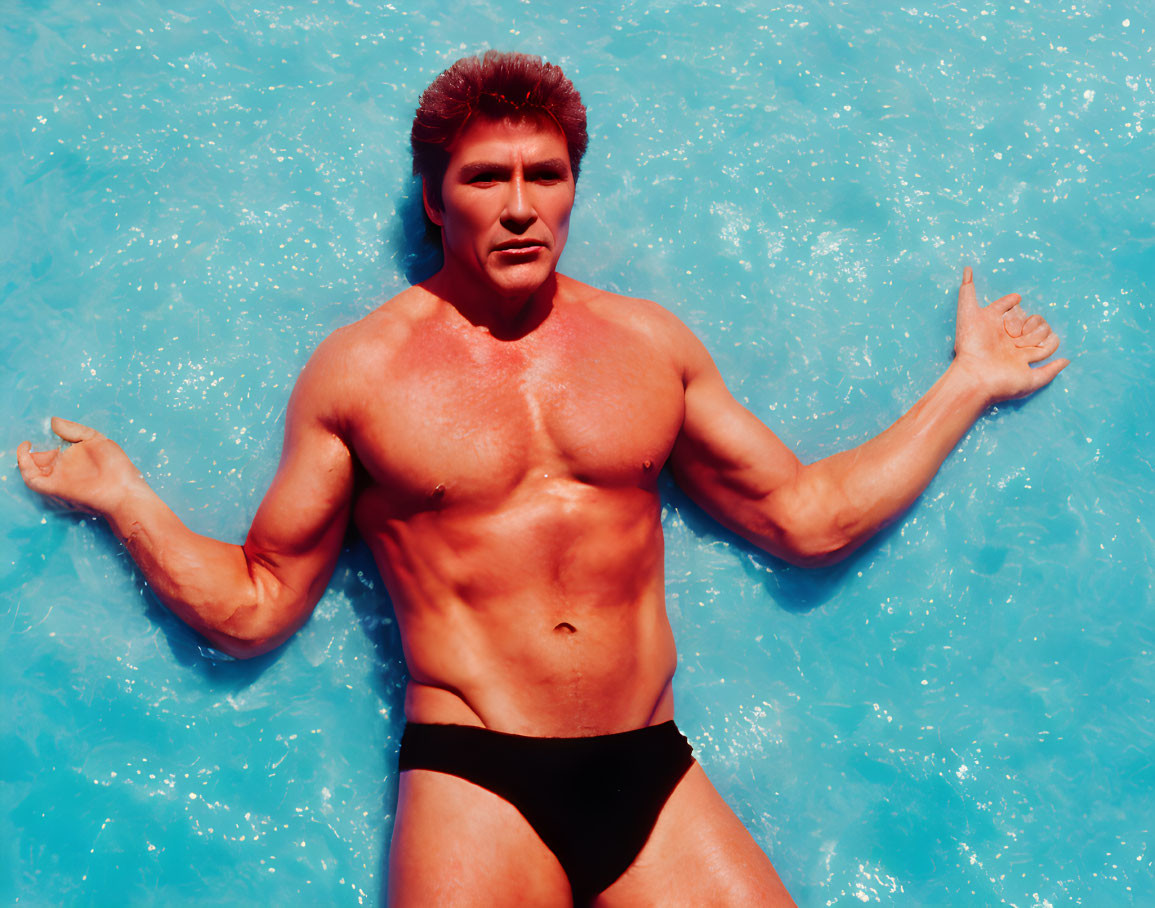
(301, 522)
(729, 462)
(725, 448)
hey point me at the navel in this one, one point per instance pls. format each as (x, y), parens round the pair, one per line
(566, 628)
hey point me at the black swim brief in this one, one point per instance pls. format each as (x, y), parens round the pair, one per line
(592, 800)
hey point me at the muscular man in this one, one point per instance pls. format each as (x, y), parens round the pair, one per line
(496, 433)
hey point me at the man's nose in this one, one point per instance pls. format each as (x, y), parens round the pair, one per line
(519, 211)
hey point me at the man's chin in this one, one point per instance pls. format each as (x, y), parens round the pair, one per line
(521, 281)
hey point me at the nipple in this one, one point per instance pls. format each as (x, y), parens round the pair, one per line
(437, 494)
(647, 465)
(566, 628)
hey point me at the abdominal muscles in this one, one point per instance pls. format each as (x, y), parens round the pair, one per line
(541, 615)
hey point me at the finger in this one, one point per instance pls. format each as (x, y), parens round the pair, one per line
(1013, 320)
(1043, 350)
(966, 293)
(1004, 304)
(72, 431)
(34, 466)
(1034, 337)
(1032, 322)
(1044, 375)
(24, 458)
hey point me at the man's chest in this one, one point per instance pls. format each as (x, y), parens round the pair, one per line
(454, 421)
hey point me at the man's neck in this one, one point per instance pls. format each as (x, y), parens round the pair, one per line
(506, 317)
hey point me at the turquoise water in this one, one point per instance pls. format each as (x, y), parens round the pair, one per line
(193, 199)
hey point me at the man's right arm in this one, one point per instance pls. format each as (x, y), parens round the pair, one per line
(246, 599)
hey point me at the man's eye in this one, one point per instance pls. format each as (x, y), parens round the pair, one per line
(483, 177)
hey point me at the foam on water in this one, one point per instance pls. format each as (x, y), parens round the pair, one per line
(958, 715)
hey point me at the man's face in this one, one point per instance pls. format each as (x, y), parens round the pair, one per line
(506, 200)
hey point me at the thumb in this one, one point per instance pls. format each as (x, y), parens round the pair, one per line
(1043, 375)
(966, 293)
(72, 431)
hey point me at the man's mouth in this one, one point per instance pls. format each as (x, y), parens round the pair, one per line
(519, 246)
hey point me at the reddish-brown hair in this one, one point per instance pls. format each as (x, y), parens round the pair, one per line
(498, 85)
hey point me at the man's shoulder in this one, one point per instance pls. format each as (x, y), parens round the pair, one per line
(337, 369)
(635, 313)
(376, 334)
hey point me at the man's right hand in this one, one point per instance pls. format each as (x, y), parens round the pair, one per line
(92, 474)
(245, 599)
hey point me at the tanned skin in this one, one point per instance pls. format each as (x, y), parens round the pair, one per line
(513, 423)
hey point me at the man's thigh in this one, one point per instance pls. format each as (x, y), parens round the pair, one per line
(455, 843)
(699, 853)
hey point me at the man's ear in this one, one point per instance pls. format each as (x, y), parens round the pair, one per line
(431, 211)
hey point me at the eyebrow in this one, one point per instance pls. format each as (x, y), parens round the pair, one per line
(468, 171)
(550, 164)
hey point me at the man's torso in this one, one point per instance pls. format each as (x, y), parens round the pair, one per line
(509, 495)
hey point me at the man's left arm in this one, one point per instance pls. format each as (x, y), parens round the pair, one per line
(745, 477)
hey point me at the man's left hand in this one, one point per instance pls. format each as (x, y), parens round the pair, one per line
(998, 343)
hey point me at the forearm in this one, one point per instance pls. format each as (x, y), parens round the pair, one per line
(844, 499)
(212, 586)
